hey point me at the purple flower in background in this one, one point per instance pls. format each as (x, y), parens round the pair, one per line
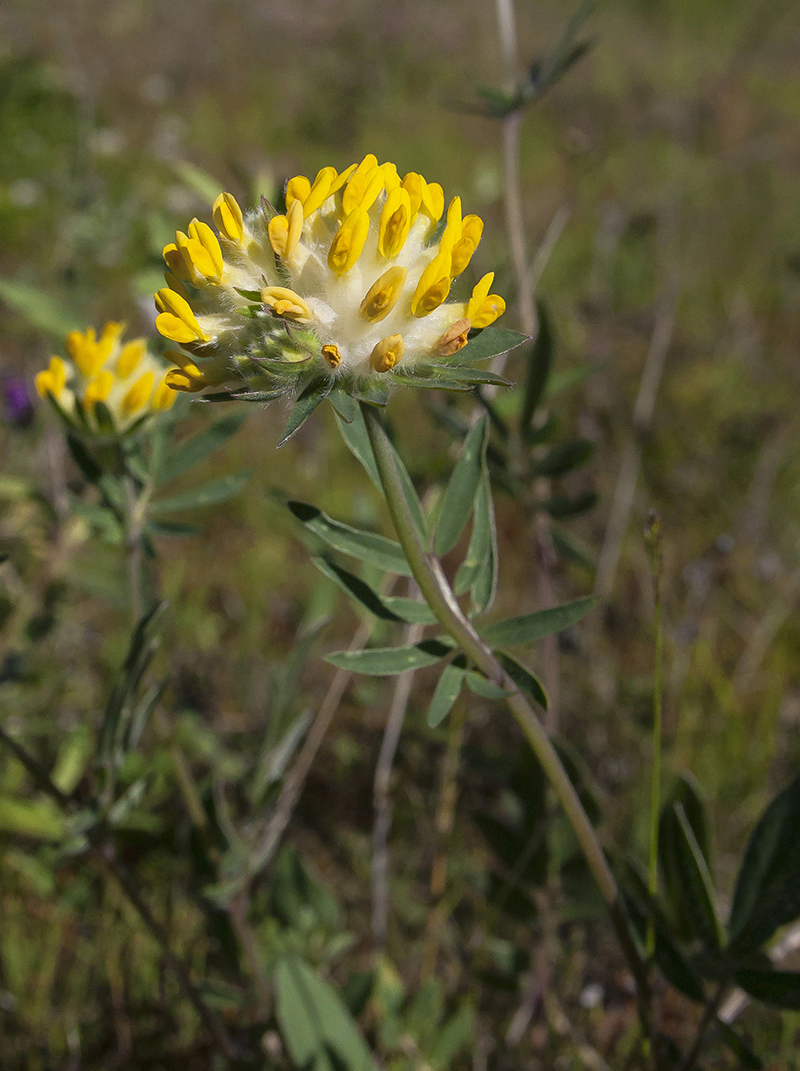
(17, 407)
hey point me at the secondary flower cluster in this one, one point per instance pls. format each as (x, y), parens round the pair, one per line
(107, 387)
(349, 283)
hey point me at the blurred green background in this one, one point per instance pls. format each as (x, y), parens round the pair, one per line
(666, 170)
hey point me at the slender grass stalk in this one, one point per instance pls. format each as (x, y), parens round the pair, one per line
(653, 540)
(437, 592)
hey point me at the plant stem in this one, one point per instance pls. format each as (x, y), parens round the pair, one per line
(653, 540)
(435, 589)
(709, 1015)
(209, 1018)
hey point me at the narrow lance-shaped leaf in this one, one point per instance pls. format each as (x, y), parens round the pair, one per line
(447, 691)
(388, 661)
(218, 490)
(491, 342)
(698, 891)
(480, 563)
(767, 893)
(314, 1022)
(307, 401)
(356, 588)
(192, 451)
(459, 497)
(411, 497)
(357, 441)
(524, 678)
(366, 546)
(386, 607)
(531, 627)
(39, 308)
(564, 458)
(781, 989)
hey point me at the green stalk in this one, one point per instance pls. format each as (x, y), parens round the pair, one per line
(438, 594)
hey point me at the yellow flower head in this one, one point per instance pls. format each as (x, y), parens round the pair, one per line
(348, 289)
(107, 386)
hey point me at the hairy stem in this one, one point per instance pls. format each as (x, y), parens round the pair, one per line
(435, 589)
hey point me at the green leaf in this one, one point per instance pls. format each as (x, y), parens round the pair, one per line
(563, 506)
(420, 378)
(356, 588)
(540, 364)
(531, 627)
(689, 873)
(366, 546)
(357, 441)
(37, 819)
(564, 458)
(671, 961)
(569, 548)
(344, 404)
(447, 691)
(470, 377)
(387, 661)
(40, 309)
(218, 490)
(491, 342)
(524, 679)
(459, 497)
(781, 989)
(411, 497)
(115, 726)
(414, 611)
(313, 1019)
(455, 1035)
(204, 185)
(192, 451)
(767, 893)
(307, 401)
(685, 793)
(478, 571)
(477, 683)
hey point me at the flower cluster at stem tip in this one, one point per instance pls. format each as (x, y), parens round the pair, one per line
(107, 387)
(349, 283)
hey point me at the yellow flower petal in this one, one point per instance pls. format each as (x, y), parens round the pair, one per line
(284, 231)
(176, 320)
(163, 396)
(320, 191)
(452, 231)
(99, 388)
(228, 217)
(387, 353)
(433, 200)
(491, 307)
(346, 247)
(286, 303)
(362, 190)
(414, 184)
(382, 296)
(139, 394)
(130, 356)
(394, 223)
(433, 286)
(53, 379)
(479, 294)
(297, 189)
(202, 234)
